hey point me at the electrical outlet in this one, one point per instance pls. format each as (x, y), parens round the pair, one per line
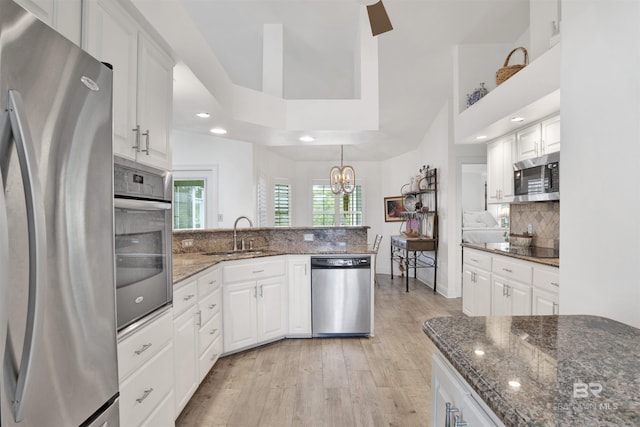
(187, 243)
(308, 237)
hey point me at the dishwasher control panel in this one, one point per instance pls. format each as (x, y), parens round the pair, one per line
(341, 262)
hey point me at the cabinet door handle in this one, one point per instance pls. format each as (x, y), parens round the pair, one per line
(459, 423)
(213, 331)
(449, 410)
(508, 291)
(554, 310)
(188, 297)
(144, 348)
(261, 291)
(504, 290)
(199, 322)
(144, 395)
(137, 143)
(146, 150)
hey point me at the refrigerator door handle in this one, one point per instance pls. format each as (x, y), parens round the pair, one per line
(21, 379)
(4, 251)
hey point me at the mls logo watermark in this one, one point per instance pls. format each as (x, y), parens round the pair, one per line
(584, 390)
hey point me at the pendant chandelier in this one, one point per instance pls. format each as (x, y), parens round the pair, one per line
(342, 178)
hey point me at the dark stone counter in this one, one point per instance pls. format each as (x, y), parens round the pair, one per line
(572, 370)
(503, 249)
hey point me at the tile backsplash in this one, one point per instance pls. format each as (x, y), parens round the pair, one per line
(544, 218)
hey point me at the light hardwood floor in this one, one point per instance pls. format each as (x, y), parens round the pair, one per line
(379, 381)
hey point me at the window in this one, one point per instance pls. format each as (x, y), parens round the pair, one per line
(281, 205)
(336, 209)
(195, 192)
(188, 204)
(262, 202)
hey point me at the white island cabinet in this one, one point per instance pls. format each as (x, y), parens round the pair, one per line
(142, 81)
(146, 398)
(453, 401)
(254, 297)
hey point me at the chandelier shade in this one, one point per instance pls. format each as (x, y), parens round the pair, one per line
(342, 178)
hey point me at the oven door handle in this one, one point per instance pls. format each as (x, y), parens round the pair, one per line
(144, 205)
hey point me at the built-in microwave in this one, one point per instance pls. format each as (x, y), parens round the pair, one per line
(143, 234)
(537, 179)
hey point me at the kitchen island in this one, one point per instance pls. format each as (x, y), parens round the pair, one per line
(545, 370)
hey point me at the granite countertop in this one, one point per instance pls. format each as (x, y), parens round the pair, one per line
(573, 370)
(503, 249)
(188, 264)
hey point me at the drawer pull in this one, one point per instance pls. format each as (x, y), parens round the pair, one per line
(144, 348)
(257, 271)
(144, 395)
(188, 297)
(508, 270)
(474, 260)
(212, 306)
(212, 282)
(213, 331)
(554, 284)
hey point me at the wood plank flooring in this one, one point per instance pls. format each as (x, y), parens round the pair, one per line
(379, 381)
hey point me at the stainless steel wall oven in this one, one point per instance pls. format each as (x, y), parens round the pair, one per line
(143, 227)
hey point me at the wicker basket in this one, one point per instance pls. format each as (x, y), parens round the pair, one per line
(509, 70)
(523, 240)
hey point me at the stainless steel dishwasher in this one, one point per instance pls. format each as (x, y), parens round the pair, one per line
(340, 295)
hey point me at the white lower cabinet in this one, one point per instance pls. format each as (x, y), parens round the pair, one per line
(499, 285)
(299, 296)
(142, 354)
(185, 336)
(510, 298)
(453, 402)
(197, 332)
(254, 297)
(476, 283)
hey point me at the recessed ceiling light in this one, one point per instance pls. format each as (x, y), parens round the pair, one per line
(517, 119)
(481, 137)
(514, 384)
(218, 131)
(307, 138)
(203, 115)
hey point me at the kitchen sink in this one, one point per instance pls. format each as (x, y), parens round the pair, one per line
(236, 253)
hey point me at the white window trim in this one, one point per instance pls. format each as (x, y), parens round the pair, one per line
(210, 174)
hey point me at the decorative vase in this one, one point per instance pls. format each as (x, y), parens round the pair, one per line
(476, 95)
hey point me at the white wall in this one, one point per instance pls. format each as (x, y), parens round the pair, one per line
(236, 195)
(599, 221)
(474, 177)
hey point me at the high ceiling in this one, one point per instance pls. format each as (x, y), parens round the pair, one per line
(320, 48)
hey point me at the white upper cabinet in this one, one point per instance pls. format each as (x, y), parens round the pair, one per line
(142, 82)
(62, 15)
(500, 170)
(539, 139)
(551, 135)
(111, 35)
(528, 142)
(155, 97)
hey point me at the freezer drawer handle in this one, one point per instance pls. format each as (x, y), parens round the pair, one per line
(144, 348)
(19, 377)
(144, 395)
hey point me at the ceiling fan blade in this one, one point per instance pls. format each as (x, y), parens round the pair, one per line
(378, 18)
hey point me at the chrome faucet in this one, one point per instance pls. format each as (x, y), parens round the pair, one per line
(235, 231)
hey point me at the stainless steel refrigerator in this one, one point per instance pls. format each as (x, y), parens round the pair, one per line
(57, 301)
